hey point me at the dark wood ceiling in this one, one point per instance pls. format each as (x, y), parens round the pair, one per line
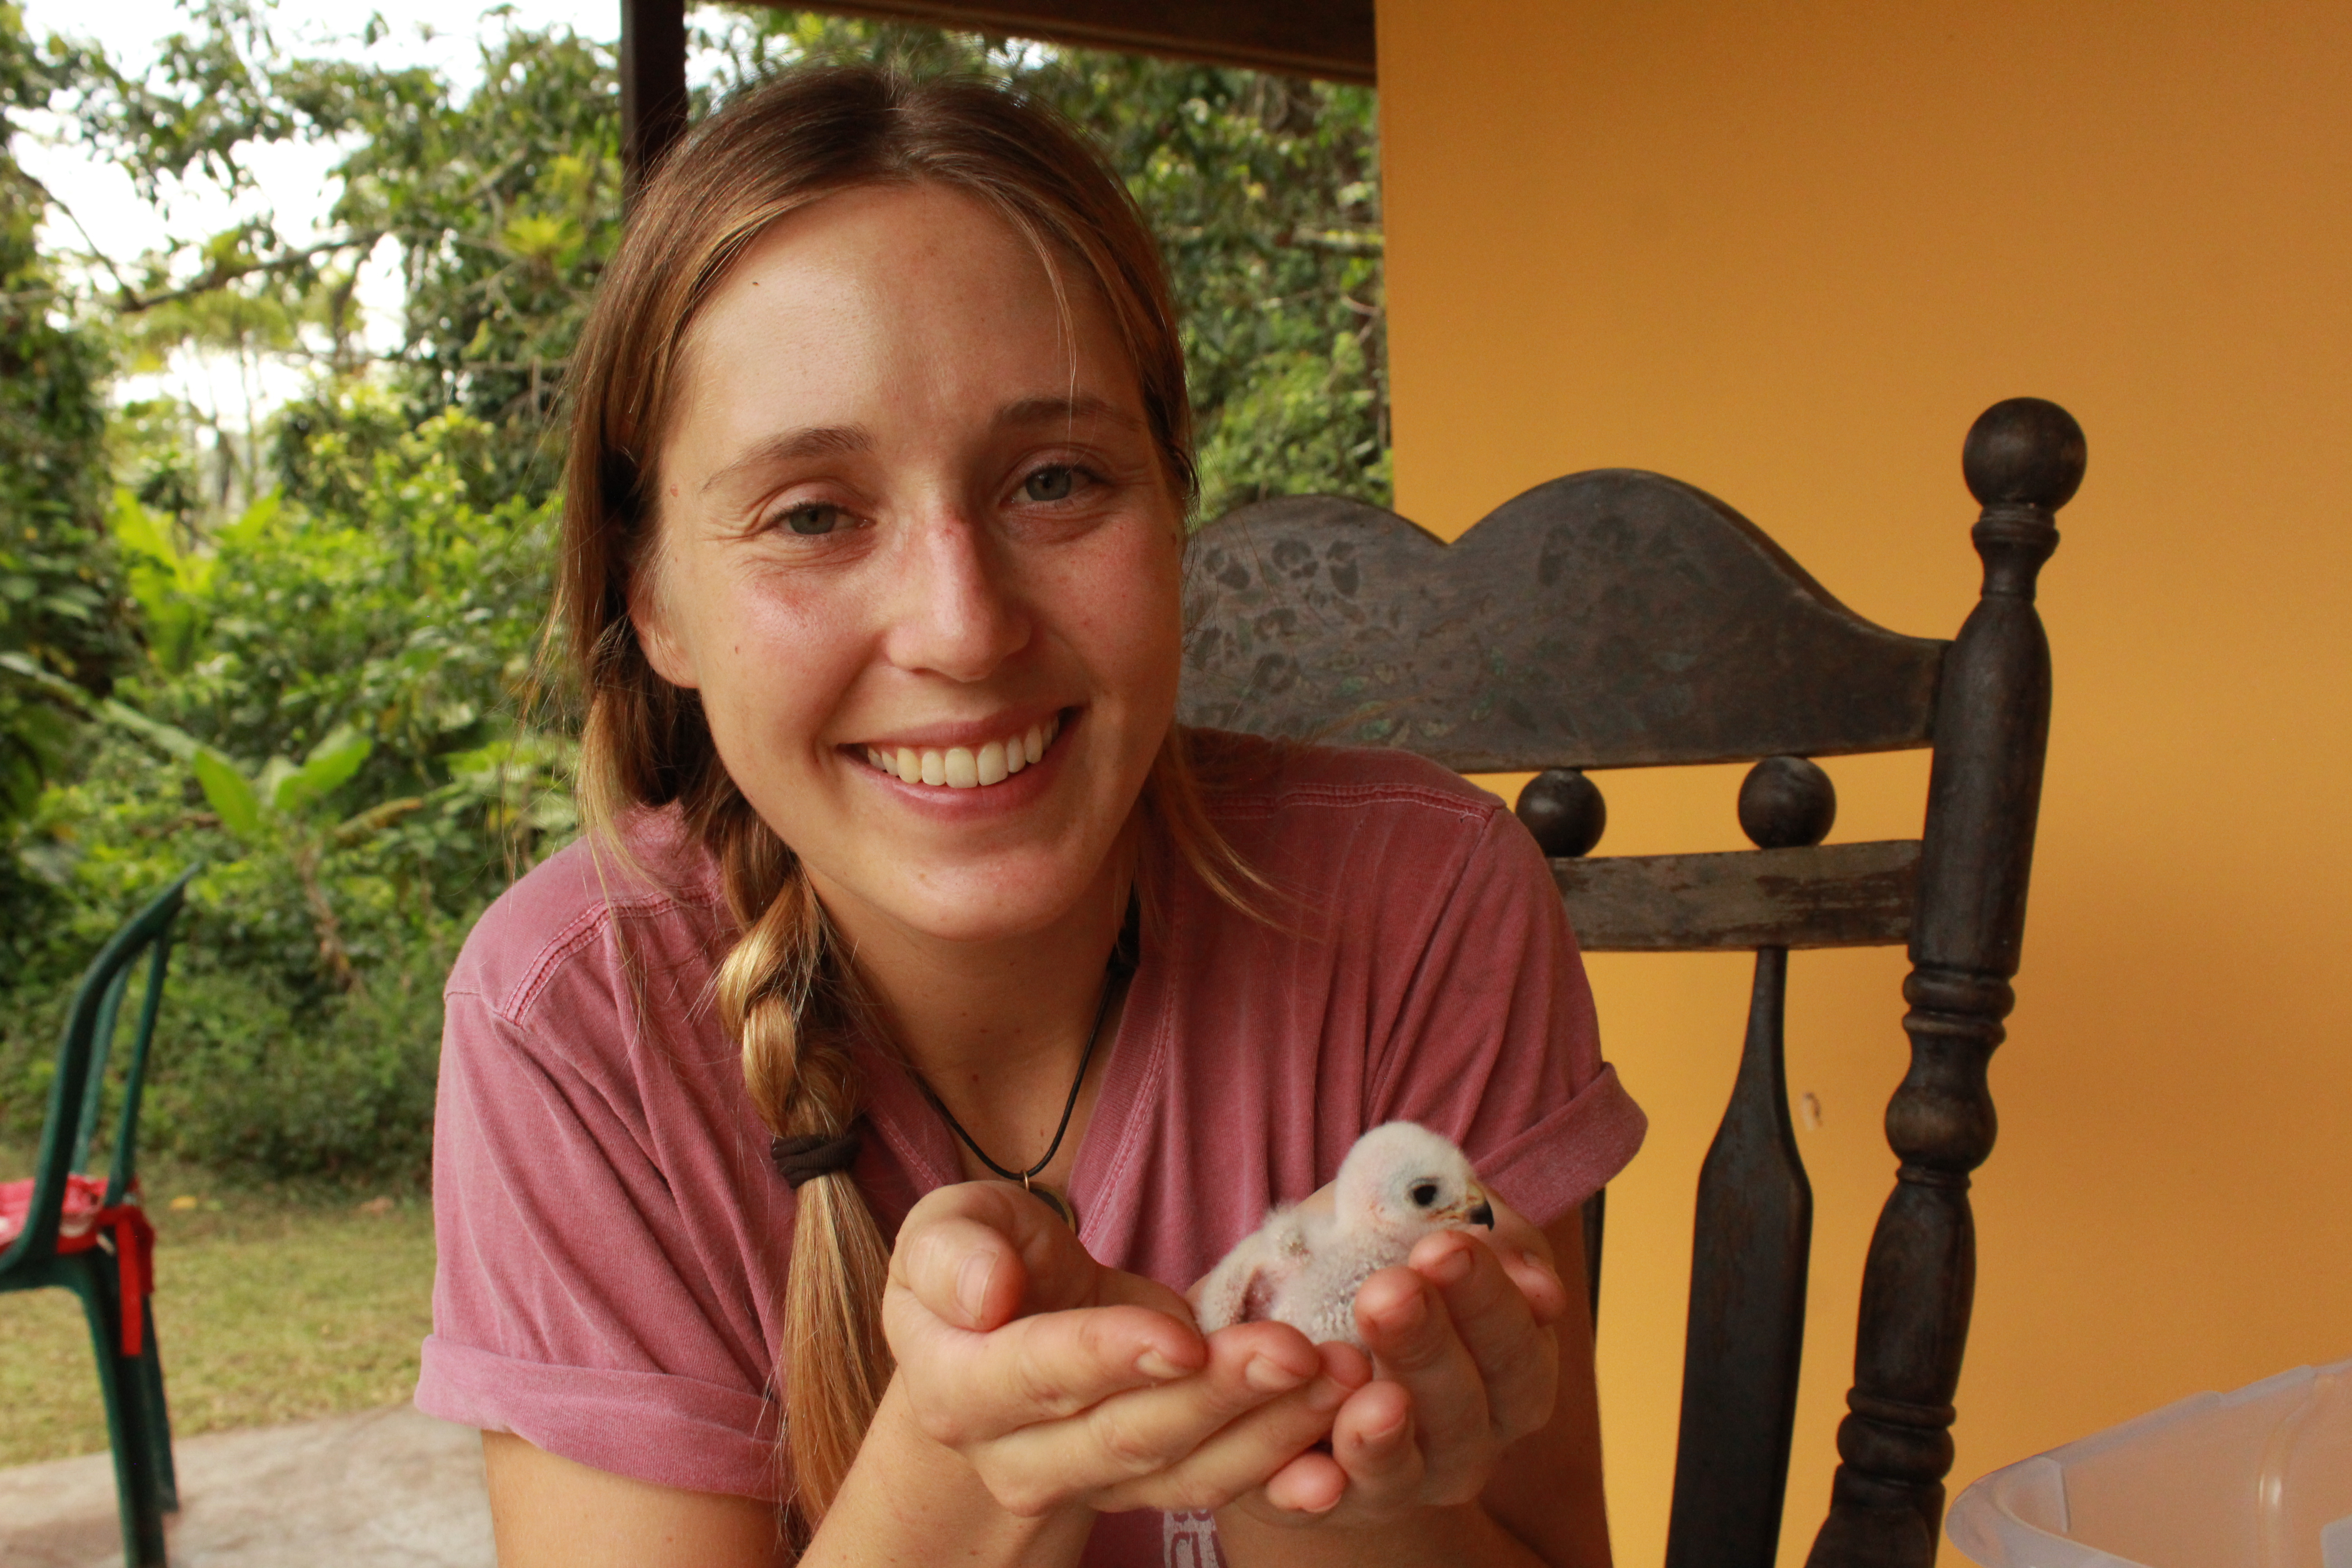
(1328, 38)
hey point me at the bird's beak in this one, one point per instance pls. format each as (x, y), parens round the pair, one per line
(1477, 1210)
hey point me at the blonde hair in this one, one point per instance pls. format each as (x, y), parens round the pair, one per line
(784, 990)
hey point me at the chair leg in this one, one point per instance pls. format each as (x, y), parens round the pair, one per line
(119, 1380)
(158, 1417)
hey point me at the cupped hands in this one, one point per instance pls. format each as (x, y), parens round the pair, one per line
(1064, 1383)
(1464, 1364)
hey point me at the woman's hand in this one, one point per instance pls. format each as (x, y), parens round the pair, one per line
(1066, 1385)
(1466, 1365)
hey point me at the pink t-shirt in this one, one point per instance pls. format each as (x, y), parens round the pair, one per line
(613, 1238)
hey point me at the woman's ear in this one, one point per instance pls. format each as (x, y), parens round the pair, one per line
(649, 614)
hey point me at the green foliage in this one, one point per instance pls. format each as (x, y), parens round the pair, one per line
(342, 739)
(60, 599)
(1264, 190)
(304, 654)
(502, 206)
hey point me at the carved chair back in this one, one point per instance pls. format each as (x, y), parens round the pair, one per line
(1621, 619)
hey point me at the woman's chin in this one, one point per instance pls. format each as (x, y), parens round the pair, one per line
(979, 904)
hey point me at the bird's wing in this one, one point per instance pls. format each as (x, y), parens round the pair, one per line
(1241, 1287)
(1223, 1293)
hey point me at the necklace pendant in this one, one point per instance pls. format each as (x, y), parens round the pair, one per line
(1053, 1199)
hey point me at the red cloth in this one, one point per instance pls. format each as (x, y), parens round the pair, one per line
(87, 1217)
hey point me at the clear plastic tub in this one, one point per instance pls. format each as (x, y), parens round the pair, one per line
(2258, 1478)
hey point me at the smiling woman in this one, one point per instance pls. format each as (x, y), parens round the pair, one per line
(873, 562)
(885, 531)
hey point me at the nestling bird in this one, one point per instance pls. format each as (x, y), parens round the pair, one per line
(1400, 1183)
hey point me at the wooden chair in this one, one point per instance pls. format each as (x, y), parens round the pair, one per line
(89, 1235)
(1621, 619)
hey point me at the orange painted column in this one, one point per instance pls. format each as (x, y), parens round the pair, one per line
(1788, 253)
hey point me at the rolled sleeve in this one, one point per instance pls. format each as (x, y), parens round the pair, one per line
(572, 1304)
(669, 1430)
(1496, 1043)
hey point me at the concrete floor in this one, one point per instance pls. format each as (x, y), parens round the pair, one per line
(386, 1488)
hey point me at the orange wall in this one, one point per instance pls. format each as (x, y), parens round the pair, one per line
(1788, 253)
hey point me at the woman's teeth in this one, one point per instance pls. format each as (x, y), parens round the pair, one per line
(959, 767)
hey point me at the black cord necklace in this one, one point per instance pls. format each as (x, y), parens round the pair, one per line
(1047, 1195)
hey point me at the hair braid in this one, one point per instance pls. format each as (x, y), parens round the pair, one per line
(782, 992)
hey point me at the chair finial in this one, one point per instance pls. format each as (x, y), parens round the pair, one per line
(1786, 802)
(2023, 451)
(1565, 811)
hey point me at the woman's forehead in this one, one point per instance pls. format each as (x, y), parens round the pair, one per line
(894, 297)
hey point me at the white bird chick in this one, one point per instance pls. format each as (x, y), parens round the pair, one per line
(1400, 1183)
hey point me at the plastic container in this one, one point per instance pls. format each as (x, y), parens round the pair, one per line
(2258, 1478)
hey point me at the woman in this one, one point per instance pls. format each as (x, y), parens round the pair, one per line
(874, 519)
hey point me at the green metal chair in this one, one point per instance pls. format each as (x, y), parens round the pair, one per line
(91, 1238)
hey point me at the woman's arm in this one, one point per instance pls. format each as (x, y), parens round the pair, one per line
(1410, 1442)
(548, 1510)
(903, 1500)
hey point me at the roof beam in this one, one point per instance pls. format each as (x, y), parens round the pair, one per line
(1328, 38)
(653, 86)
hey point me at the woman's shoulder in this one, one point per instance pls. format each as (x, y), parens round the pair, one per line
(564, 913)
(1328, 825)
(1247, 776)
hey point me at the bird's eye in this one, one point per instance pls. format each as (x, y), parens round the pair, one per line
(1049, 484)
(1424, 1192)
(817, 517)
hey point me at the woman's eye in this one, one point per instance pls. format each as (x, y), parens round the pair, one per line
(818, 517)
(1049, 484)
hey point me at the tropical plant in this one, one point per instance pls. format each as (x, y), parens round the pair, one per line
(61, 608)
(307, 654)
(336, 723)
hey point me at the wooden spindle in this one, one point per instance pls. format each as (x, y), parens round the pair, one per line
(2023, 460)
(1751, 1250)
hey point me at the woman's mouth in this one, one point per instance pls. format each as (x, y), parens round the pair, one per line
(966, 767)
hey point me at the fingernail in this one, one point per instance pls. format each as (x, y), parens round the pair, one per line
(1326, 1396)
(1155, 1364)
(1451, 1266)
(1406, 1315)
(972, 1284)
(1268, 1375)
(1388, 1433)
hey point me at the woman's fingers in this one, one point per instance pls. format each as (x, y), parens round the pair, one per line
(977, 1254)
(959, 1273)
(1527, 1258)
(971, 1256)
(1404, 1321)
(1194, 1442)
(1309, 1485)
(1380, 1444)
(1516, 1358)
(967, 1387)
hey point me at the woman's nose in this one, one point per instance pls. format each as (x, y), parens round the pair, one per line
(954, 612)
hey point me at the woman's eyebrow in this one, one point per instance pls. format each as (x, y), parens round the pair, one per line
(792, 445)
(1064, 411)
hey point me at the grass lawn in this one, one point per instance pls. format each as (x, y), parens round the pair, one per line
(268, 1309)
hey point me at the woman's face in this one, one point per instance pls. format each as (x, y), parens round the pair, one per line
(913, 528)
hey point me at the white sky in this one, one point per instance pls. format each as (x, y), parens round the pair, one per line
(293, 179)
